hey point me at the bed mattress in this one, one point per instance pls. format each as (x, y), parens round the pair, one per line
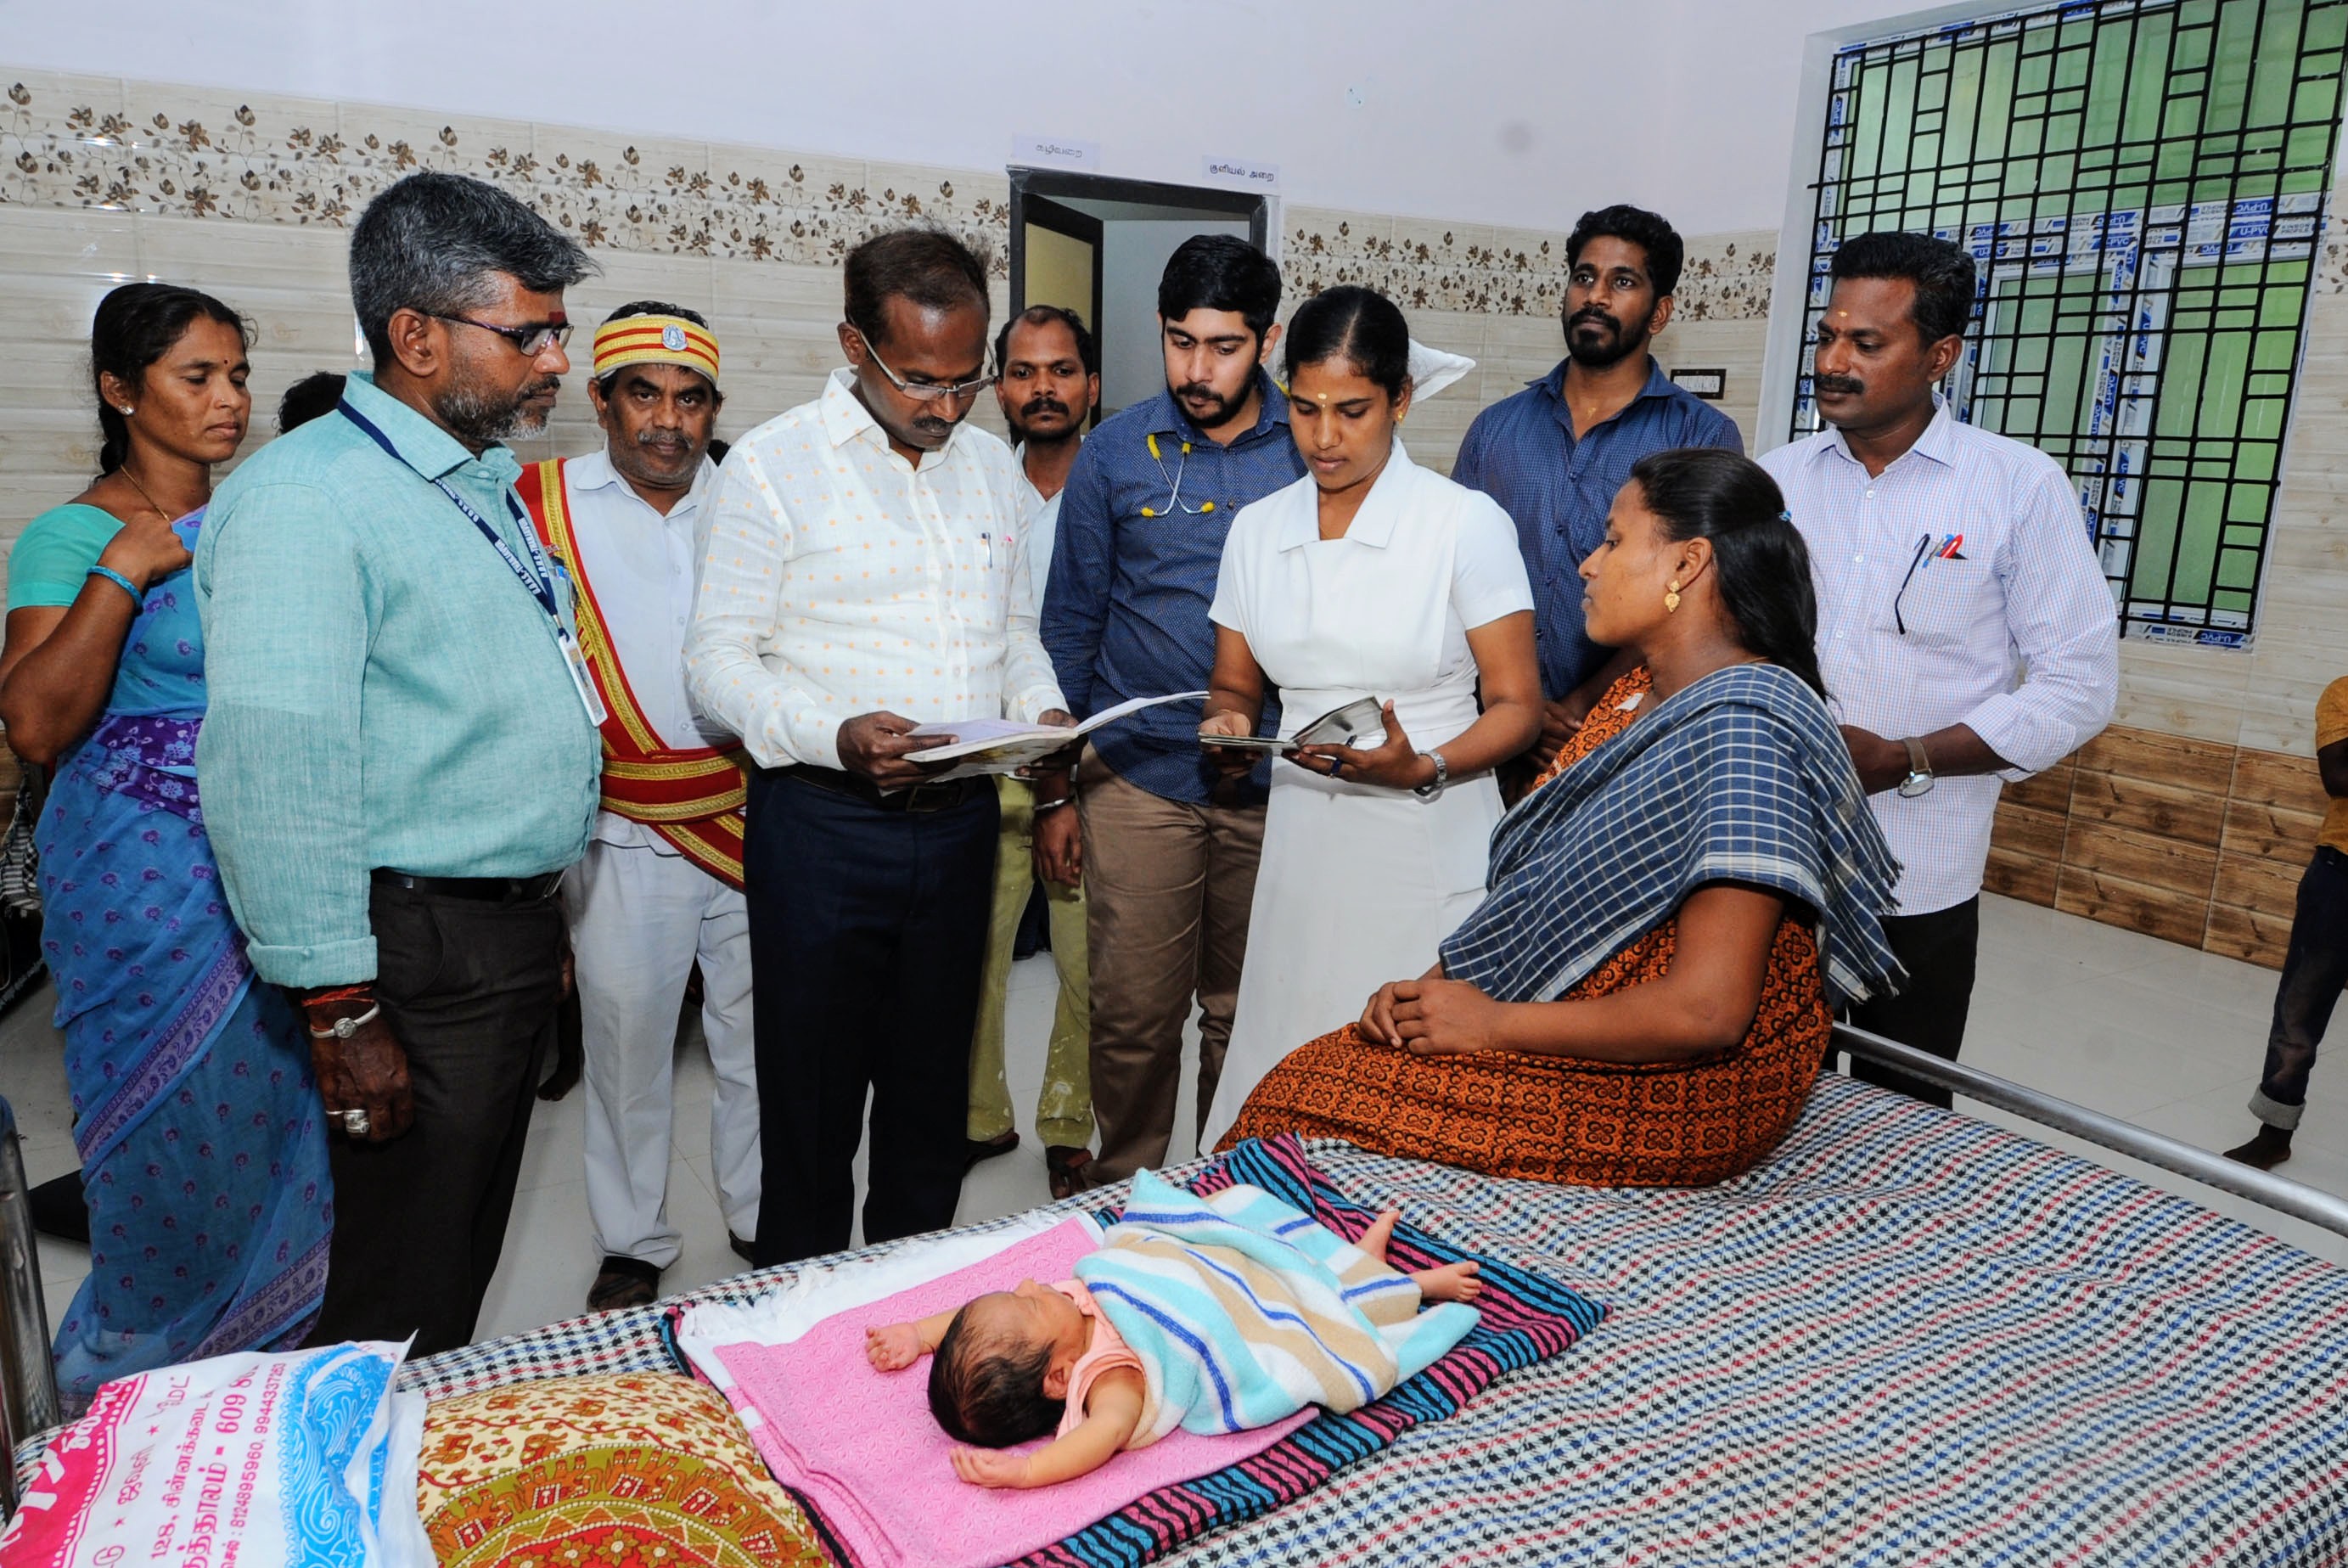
(1908, 1337)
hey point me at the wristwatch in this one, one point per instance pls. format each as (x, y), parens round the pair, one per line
(1434, 787)
(1919, 770)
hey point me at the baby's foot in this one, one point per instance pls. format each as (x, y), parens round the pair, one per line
(1452, 1281)
(1381, 1231)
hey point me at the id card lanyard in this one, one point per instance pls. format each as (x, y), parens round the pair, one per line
(537, 578)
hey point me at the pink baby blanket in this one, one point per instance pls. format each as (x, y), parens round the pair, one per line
(861, 1448)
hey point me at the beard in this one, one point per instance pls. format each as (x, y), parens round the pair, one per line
(490, 416)
(1609, 346)
(1224, 407)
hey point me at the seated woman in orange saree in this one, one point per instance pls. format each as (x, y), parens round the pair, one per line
(1646, 994)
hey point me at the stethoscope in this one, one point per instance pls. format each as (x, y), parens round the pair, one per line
(1174, 483)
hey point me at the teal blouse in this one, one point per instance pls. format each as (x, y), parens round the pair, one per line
(54, 554)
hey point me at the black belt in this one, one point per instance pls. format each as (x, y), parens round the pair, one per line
(941, 795)
(483, 890)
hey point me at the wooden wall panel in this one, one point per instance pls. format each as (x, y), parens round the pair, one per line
(2186, 839)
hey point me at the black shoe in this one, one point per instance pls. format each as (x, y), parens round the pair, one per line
(978, 1149)
(2269, 1149)
(741, 1248)
(59, 1209)
(623, 1283)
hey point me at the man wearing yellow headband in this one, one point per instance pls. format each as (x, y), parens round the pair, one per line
(661, 886)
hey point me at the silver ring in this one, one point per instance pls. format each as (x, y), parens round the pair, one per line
(355, 1122)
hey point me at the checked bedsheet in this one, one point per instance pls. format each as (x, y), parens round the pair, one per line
(1907, 1337)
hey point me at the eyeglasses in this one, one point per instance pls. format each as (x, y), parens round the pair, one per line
(924, 391)
(530, 341)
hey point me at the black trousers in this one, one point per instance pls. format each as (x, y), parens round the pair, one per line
(868, 931)
(470, 989)
(1938, 950)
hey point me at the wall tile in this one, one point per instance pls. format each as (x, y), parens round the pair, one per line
(2277, 832)
(2246, 935)
(2114, 900)
(2022, 876)
(2268, 887)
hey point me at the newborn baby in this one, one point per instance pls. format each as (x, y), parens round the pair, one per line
(1090, 1360)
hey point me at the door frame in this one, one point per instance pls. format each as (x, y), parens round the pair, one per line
(1043, 184)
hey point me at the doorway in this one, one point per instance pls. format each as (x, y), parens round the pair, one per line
(1098, 246)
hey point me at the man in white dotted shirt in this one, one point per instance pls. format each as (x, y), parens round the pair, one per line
(866, 573)
(1966, 629)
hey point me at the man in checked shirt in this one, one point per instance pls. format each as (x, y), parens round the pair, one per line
(1966, 629)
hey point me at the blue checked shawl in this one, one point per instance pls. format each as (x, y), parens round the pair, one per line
(1741, 777)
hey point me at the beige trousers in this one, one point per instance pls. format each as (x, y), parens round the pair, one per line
(1064, 1110)
(1168, 886)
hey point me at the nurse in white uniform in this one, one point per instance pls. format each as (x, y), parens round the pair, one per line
(1370, 577)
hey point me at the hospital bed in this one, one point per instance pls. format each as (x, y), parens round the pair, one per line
(1907, 1336)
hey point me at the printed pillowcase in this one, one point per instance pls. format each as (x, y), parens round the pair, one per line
(640, 1469)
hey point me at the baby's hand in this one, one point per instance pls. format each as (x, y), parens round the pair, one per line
(892, 1348)
(991, 1466)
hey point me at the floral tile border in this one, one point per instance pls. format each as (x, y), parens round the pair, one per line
(195, 153)
(70, 142)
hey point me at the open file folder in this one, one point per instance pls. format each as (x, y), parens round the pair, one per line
(1004, 745)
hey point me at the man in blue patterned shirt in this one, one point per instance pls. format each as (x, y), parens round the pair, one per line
(1554, 454)
(1168, 846)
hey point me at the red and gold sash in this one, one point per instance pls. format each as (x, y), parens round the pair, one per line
(691, 796)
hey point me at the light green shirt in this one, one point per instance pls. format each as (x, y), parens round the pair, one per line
(384, 691)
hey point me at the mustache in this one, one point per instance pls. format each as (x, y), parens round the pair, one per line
(1848, 385)
(662, 439)
(1592, 314)
(1201, 389)
(1045, 405)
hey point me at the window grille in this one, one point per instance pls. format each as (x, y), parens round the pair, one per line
(2142, 185)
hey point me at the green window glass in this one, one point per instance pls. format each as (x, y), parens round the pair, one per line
(2142, 186)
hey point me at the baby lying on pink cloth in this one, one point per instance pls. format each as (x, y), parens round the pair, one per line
(1013, 1366)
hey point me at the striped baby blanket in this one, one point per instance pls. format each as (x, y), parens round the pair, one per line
(1245, 1311)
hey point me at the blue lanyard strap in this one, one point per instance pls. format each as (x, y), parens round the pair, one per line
(538, 577)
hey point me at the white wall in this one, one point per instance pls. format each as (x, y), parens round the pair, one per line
(1520, 113)
(1133, 258)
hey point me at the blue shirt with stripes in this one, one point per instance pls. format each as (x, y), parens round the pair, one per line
(1522, 452)
(1124, 615)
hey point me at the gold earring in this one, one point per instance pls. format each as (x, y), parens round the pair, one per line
(1672, 598)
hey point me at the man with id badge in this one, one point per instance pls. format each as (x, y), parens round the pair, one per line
(1966, 630)
(401, 757)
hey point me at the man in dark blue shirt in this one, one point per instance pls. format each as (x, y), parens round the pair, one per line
(1167, 844)
(1554, 454)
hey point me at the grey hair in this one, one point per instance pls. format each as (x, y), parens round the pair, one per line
(432, 242)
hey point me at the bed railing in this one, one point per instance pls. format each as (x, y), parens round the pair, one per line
(28, 1383)
(2260, 1187)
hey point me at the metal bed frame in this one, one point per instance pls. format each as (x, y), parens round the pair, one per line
(28, 1389)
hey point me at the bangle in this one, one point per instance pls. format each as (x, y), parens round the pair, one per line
(137, 595)
(343, 1028)
(1052, 805)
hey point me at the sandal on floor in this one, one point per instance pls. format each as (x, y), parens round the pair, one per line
(1065, 1167)
(978, 1149)
(623, 1283)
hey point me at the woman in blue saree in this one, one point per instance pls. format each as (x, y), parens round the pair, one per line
(203, 1149)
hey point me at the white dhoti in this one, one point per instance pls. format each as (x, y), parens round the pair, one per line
(640, 919)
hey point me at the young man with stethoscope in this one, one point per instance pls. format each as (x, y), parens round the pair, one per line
(1167, 845)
